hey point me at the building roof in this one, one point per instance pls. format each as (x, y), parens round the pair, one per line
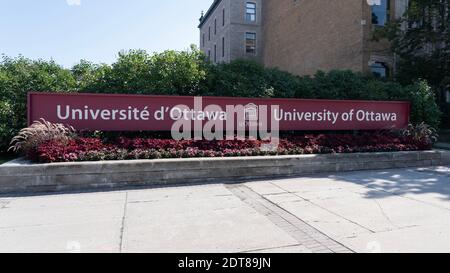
(210, 11)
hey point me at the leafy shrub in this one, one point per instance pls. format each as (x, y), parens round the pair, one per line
(348, 85)
(179, 73)
(29, 139)
(339, 85)
(137, 72)
(422, 133)
(286, 85)
(6, 126)
(189, 73)
(18, 76)
(240, 78)
(423, 103)
(243, 78)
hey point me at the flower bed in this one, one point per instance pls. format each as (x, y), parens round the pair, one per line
(95, 149)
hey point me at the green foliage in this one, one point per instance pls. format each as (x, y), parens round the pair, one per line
(130, 72)
(421, 133)
(6, 126)
(91, 77)
(189, 73)
(339, 85)
(348, 85)
(240, 79)
(18, 76)
(423, 103)
(286, 85)
(178, 73)
(136, 71)
(421, 38)
(249, 79)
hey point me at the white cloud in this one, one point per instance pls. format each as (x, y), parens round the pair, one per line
(73, 2)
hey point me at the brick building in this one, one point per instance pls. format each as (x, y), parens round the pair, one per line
(230, 30)
(301, 36)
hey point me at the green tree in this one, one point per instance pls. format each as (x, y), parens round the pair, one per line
(130, 73)
(286, 85)
(7, 129)
(189, 73)
(421, 38)
(18, 76)
(179, 73)
(241, 78)
(135, 71)
(92, 77)
(339, 85)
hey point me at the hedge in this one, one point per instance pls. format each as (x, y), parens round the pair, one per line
(189, 73)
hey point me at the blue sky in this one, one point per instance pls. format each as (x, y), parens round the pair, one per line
(96, 30)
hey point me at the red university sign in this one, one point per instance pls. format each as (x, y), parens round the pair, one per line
(158, 113)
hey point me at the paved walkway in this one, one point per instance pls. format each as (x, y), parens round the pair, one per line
(379, 211)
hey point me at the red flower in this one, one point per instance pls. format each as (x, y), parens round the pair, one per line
(82, 149)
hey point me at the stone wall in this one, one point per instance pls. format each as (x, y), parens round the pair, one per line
(21, 177)
(233, 31)
(303, 36)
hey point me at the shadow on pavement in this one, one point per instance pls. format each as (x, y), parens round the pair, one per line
(403, 181)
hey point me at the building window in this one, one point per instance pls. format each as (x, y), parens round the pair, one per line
(250, 15)
(209, 55)
(215, 53)
(203, 39)
(215, 26)
(380, 70)
(209, 33)
(223, 47)
(250, 42)
(380, 12)
(223, 17)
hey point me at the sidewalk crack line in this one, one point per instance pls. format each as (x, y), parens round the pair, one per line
(122, 228)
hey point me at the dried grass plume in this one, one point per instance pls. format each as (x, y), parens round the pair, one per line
(29, 139)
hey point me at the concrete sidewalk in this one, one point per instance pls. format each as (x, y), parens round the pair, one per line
(404, 210)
